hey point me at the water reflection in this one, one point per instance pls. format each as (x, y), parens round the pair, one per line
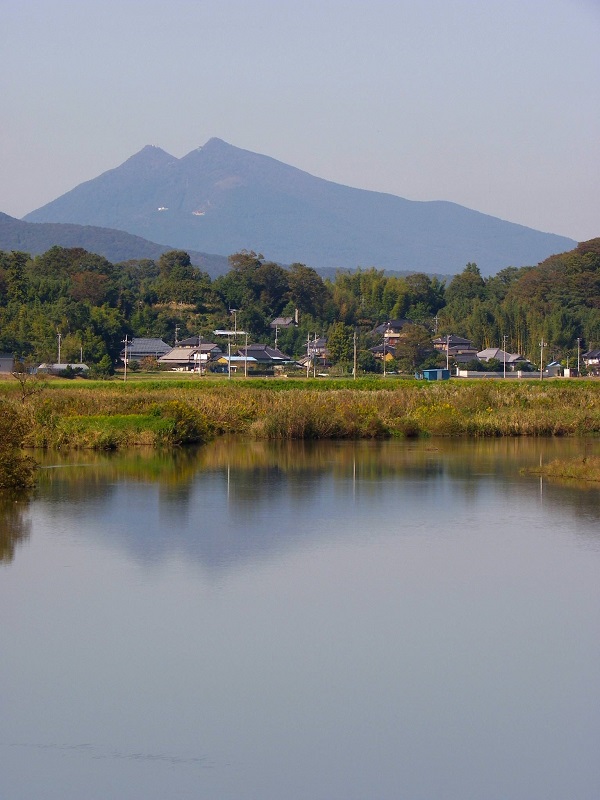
(303, 620)
(235, 501)
(15, 526)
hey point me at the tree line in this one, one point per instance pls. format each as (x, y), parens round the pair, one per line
(94, 304)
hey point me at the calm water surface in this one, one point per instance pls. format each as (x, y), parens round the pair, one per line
(293, 622)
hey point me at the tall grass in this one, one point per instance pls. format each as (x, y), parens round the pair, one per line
(166, 413)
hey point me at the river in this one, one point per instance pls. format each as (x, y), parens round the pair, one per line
(254, 621)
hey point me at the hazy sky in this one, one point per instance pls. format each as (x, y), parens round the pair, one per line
(493, 104)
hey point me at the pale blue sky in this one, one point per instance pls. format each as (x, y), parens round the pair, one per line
(493, 104)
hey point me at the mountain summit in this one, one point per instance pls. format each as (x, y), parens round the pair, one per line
(221, 199)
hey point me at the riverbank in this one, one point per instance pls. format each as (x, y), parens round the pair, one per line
(582, 468)
(159, 413)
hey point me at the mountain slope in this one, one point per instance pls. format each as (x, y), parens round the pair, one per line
(221, 199)
(115, 245)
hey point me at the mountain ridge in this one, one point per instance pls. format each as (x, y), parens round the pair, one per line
(117, 246)
(220, 199)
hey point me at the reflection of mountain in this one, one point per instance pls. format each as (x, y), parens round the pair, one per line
(14, 527)
(234, 502)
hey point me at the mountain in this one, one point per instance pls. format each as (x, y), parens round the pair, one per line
(222, 199)
(115, 245)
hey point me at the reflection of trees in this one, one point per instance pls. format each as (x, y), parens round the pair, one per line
(209, 499)
(14, 528)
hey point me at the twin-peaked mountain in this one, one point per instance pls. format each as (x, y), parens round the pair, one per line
(221, 199)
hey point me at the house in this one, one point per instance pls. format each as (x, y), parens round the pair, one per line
(554, 369)
(7, 362)
(459, 349)
(513, 361)
(316, 354)
(390, 330)
(137, 349)
(263, 356)
(281, 323)
(591, 359)
(234, 363)
(379, 350)
(317, 348)
(187, 358)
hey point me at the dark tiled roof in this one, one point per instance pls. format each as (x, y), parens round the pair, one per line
(147, 347)
(392, 325)
(263, 352)
(282, 322)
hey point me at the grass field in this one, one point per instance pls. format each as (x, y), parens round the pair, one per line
(163, 410)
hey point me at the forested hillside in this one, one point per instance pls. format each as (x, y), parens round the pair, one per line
(94, 304)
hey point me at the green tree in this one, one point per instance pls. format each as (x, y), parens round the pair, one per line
(340, 343)
(414, 347)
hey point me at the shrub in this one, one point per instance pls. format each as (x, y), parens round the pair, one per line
(17, 471)
(189, 425)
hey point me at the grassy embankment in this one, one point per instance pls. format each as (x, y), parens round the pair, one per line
(113, 415)
(583, 468)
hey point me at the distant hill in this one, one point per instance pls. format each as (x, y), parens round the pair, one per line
(222, 199)
(115, 245)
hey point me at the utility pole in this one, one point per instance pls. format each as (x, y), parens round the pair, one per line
(59, 334)
(578, 350)
(448, 352)
(234, 311)
(176, 334)
(385, 348)
(542, 345)
(126, 342)
(308, 355)
(355, 367)
(504, 351)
